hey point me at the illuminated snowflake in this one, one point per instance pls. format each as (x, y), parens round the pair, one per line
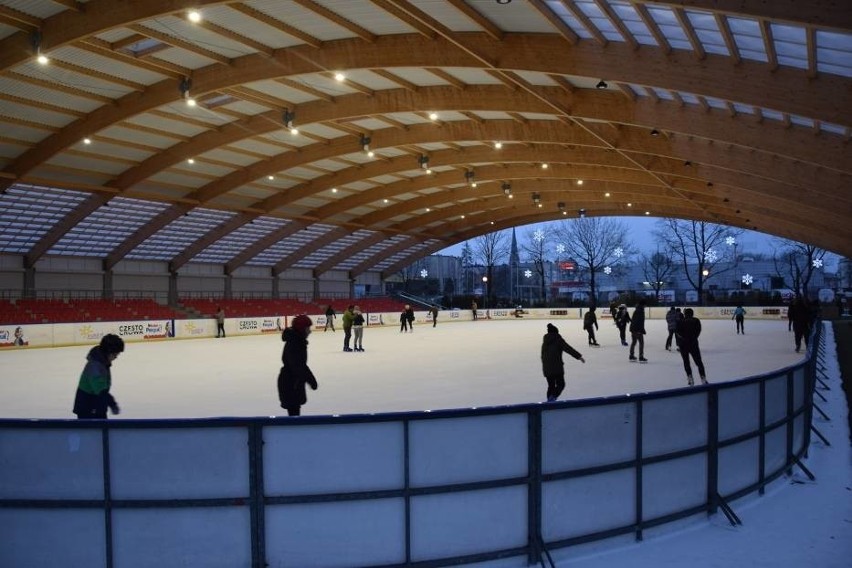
(618, 252)
(538, 235)
(817, 263)
(560, 248)
(528, 273)
(748, 279)
(730, 241)
(607, 270)
(424, 273)
(710, 255)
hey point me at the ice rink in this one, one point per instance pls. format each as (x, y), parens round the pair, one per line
(454, 365)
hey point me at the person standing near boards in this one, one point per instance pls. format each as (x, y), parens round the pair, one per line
(220, 322)
(688, 330)
(739, 315)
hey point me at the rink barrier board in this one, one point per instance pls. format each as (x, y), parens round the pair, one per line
(89, 333)
(130, 478)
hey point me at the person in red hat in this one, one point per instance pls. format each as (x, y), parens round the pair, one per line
(295, 371)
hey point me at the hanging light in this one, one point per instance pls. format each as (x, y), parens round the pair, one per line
(507, 189)
(601, 84)
(184, 87)
(289, 118)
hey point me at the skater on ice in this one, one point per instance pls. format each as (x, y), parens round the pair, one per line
(552, 348)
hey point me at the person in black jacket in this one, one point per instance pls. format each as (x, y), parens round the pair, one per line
(800, 320)
(688, 330)
(622, 320)
(590, 324)
(552, 348)
(637, 332)
(93, 397)
(295, 372)
(330, 315)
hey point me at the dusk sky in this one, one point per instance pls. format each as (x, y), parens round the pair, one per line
(641, 235)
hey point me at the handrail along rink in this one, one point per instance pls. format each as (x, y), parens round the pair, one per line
(433, 488)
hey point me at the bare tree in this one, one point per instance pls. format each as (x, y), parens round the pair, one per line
(594, 242)
(535, 245)
(794, 262)
(656, 268)
(699, 247)
(489, 249)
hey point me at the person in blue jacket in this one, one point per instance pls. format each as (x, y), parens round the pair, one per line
(93, 397)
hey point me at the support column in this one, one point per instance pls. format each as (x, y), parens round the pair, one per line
(107, 292)
(276, 285)
(316, 285)
(29, 282)
(351, 286)
(173, 288)
(228, 286)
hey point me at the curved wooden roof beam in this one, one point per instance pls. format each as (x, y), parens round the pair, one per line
(826, 100)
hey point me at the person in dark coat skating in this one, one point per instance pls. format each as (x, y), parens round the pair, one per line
(800, 319)
(552, 348)
(295, 371)
(637, 332)
(688, 330)
(671, 324)
(622, 320)
(93, 397)
(590, 324)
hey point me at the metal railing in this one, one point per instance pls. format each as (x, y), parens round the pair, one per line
(403, 489)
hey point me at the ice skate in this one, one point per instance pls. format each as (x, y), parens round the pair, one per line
(642, 360)
(689, 380)
(704, 380)
(633, 359)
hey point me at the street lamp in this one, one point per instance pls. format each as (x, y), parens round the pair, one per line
(485, 294)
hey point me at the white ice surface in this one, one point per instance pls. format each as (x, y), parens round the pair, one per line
(454, 365)
(797, 522)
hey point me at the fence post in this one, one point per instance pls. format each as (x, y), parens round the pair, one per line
(534, 536)
(638, 466)
(107, 496)
(712, 451)
(257, 511)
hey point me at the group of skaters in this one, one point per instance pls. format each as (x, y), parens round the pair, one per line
(93, 398)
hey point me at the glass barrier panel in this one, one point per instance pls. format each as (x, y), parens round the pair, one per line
(179, 463)
(52, 538)
(800, 385)
(798, 433)
(459, 450)
(215, 537)
(739, 466)
(776, 449)
(333, 458)
(776, 398)
(349, 533)
(584, 505)
(51, 464)
(468, 522)
(575, 438)
(673, 486)
(739, 410)
(674, 423)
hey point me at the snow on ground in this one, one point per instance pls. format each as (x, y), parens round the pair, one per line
(797, 522)
(454, 365)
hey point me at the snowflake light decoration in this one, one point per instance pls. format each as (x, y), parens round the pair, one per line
(528, 273)
(538, 235)
(748, 279)
(817, 263)
(607, 270)
(730, 241)
(424, 273)
(710, 255)
(618, 252)
(560, 248)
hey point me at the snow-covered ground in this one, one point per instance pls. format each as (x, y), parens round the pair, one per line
(462, 364)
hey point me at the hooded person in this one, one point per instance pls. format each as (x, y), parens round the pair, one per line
(552, 347)
(93, 397)
(295, 372)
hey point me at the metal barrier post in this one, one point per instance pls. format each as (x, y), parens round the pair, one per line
(638, 467)
(712, 451)
(107, 496)
(256, 496)
(534, 538)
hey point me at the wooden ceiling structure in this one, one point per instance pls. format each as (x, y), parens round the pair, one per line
(478, 115)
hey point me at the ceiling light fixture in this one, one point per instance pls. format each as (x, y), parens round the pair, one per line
(184, 87)
(87, 141)
(536, 197)
(194, 16)
(507, 188)
(365, 145)
(544, 166)
(35, 39)
(579, 182)
(655, 132)
(433, 116)
(498, 145)
(339, 77)
(601, 85)
(423, 160)
(582, 213)
(469, 178)
(289, 120)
